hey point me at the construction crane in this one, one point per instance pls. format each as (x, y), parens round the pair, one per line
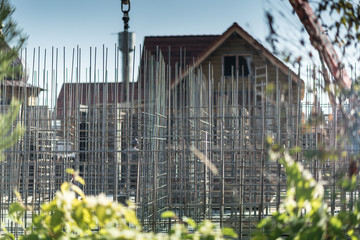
(321, 42)
(126, 46)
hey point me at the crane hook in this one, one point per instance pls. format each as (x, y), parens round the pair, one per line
(125, 6)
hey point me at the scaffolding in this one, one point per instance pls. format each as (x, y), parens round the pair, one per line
(201, 148)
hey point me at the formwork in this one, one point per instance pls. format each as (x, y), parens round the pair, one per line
(201, 149)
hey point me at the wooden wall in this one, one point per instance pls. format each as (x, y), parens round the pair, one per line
(235, 45)
(29, 97)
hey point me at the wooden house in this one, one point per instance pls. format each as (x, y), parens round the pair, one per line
(224, 56)
(16, 86)
(234, 118)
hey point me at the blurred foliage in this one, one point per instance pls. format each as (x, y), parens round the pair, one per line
(340, 20)
(10, 35)
(303, 212)
(72, 215)
(8, 70)
(9, 135)
(345, 21)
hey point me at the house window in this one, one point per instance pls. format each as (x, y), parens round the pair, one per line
(233, 64)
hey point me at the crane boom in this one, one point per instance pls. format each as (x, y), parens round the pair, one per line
(321, 42)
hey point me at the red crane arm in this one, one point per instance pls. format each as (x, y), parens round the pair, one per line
(321, 42)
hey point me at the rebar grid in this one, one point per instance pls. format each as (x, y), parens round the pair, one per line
(88, 128)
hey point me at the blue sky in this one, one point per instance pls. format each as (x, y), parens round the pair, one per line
(94, 22)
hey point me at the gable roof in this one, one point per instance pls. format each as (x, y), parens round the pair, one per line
(192, 50)
(180, 48)
(20, 84)
(18, 78)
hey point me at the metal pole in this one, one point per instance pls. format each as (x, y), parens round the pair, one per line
(125, 8)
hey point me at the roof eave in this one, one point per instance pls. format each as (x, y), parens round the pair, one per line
(242, 33)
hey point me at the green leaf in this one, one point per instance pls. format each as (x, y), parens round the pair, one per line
(229, 232)
(190, 221)
(65, 187)
(296, 149)
(7, 234)
(168, 214)
(100, 213)
(264, 222)
(335, 222)
(80, 180)
(343, 21)
(57, 221)
(130, 217)
(78, 191)
(16, 211)
(348, 184)
(15, 208)
(37, 220)
(269, 140)
(70, 171)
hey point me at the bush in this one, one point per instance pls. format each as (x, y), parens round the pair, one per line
(72, 215)
(305, 214)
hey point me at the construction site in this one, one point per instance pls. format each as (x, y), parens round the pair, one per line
(186, 131)
(197, 148)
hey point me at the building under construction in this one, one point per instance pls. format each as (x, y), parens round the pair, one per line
(190, 138)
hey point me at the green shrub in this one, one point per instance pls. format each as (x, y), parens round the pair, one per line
(304, 213)
(72, 215)
(9, 33)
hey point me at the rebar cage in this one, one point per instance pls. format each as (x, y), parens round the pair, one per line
(196, 148)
